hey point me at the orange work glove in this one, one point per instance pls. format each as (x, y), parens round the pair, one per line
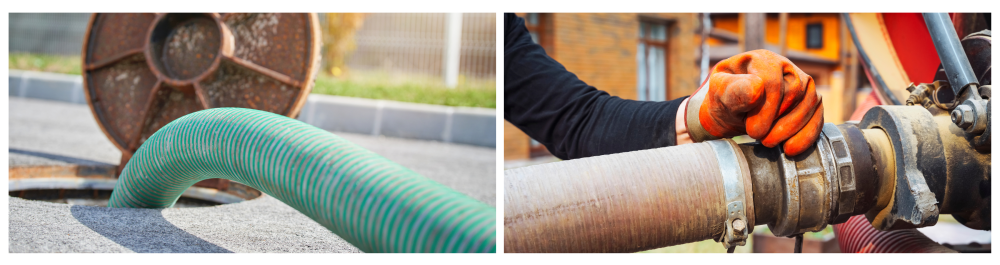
(762, 94)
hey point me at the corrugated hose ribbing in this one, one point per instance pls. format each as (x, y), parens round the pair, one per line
(373, 203)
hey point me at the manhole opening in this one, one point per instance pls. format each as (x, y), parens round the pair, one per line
(92, 197)
(97, 192)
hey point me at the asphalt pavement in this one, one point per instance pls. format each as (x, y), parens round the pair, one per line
(55, 133)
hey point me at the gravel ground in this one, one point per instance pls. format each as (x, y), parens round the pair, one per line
(54, 133)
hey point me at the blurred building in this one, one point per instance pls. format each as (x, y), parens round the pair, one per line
(657, 56)
(417, 43)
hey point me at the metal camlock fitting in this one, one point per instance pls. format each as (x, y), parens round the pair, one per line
(818, 187)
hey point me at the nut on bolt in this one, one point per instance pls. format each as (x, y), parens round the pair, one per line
(963, 116)
(739, 225)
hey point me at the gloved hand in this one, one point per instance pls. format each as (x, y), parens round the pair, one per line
(762, 94)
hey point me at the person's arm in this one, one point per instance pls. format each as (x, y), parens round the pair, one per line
(571, 118)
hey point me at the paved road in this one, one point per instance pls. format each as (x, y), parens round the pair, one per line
(54, 133)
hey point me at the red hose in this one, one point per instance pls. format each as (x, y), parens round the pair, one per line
(858, 236)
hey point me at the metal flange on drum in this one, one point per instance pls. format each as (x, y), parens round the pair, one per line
(143, 70)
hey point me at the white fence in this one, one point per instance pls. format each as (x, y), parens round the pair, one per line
(416, 43)
(397, 42)
(52, 33)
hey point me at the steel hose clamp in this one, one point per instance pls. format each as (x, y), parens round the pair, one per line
(739, 206)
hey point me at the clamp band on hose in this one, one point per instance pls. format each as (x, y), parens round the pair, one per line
(739, 205)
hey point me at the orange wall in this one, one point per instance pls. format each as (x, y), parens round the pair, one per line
(728, 23)
(796, 38)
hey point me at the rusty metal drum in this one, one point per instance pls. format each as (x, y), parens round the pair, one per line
(143, 70)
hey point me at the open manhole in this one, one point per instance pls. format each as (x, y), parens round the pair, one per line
(92, 197)
(92, 186)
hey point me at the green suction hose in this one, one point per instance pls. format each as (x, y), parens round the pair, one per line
(373, 203)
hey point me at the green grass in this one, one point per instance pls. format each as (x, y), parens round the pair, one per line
(481, 94)
(64, 64)
(822, 234)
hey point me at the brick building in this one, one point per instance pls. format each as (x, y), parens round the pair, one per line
(657, 56)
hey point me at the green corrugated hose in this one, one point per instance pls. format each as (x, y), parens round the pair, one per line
(373, 203)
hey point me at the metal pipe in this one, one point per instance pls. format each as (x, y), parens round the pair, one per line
(884, 161)
(798, 243)
(949, 49)
(766, 181)
(965, 190)
(616, 203)
(373, 203)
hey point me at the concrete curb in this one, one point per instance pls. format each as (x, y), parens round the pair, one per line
(49, 86)
(472, 126)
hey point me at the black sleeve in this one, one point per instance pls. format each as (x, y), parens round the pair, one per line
(571, 118)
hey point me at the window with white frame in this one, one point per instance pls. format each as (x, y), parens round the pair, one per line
(651, 58)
